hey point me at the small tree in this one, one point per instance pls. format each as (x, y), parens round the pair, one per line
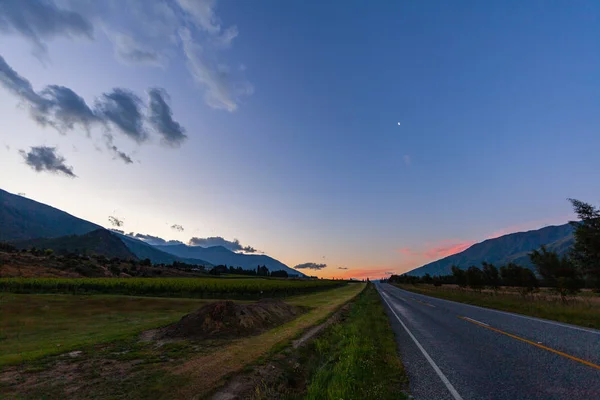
(586, 250)
(491, 276)
(527, 280)
(558, 272)
(427, 279)
(459, 276)
(474, 278)
(515, 275)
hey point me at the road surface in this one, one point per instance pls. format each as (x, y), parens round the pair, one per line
(456, 351)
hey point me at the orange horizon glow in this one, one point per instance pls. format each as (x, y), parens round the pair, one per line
(412, 258)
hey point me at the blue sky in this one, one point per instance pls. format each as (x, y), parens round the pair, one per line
(290, 112)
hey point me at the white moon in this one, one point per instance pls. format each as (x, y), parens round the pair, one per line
(398, 123)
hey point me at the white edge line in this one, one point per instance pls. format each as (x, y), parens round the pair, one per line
(437, 369)
(474, 320)
(594, 331)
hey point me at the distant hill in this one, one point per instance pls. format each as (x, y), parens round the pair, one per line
(98, 242)
(513, 247)
(143, 250)
(22, 218)
(219, 255)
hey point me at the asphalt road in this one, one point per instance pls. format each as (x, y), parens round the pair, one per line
(457, 351)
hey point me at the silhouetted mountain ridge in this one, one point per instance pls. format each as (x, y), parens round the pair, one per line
(22, 218)
(514, 247)
(219, 255)
(144, 250)
(98, 242)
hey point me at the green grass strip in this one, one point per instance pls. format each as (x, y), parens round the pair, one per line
(357, 358)
(581, 310)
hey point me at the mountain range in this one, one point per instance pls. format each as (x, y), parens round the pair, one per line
(222, 255)
(514, 247)
(27, 223)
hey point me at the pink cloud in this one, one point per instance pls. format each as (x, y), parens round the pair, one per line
(437, 250)
(447, 249)
(415, 257)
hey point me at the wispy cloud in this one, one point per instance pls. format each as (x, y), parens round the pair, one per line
(142, 32)
(123, 109)
(221, 89)
(42, 158)
(119, 110)
(114, 221)
(311, 265)
(117, 153)
(177, 227)
(129, 51)
(342, 268)
(153, 240)
(161, 118)
(39, 21)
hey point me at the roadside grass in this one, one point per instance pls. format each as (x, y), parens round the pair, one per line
(33, 326)
(357, 358)
(114, 363)
(580, 310)
(207, 372)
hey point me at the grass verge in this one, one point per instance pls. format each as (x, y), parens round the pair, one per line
(578, 311)
(39, 325)
(127, 368)
(357, 359)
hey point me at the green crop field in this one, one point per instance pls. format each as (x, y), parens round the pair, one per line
(243, 288)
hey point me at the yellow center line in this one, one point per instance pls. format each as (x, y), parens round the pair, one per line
(560, 353)
(422, 302)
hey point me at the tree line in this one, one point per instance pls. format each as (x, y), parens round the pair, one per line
(566, 274)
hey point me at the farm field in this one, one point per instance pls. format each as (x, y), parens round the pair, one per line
(580, 310)
(208, 288)
(35, 325)
(54, 345)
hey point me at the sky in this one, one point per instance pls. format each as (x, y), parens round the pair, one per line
(276, 123)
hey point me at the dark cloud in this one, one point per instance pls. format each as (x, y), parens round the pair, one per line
(119, 154)
(219, 241)
(161, 118)
(310, 265)
(131, 52)
(42, 158)
(114, 221)
(40, 20)
(154, 240)
(249, 249)
(63, 109)
(342, 268)
(177, 227)
(115, 150)
(18, 85)
(57, 106)
(123, 109)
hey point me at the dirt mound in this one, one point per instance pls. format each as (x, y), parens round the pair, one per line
(226, 319)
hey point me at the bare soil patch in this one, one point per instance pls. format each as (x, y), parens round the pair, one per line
(285, 374)
(226, 319)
